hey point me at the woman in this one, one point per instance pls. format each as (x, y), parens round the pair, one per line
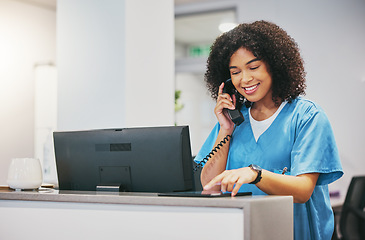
(286, 145)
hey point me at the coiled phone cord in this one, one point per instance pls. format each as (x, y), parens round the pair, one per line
(215, 149)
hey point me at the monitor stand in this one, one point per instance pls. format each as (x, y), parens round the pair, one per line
(112, 188)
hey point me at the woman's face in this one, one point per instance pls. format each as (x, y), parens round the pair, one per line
(250, 76)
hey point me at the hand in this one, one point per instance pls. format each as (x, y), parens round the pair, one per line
(232, 180)
(224, 100)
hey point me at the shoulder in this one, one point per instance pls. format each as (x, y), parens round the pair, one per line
(304, 112)
(305, 108)
(302, 104)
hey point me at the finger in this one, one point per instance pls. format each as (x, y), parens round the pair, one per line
(231, 183)
(223, 102)
(237, 187)
(214, 182)
(223, 96)
(228, 182)
(223, 187)
(227, 104)
(220, 90)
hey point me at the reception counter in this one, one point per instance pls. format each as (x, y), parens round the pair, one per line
(53, 214)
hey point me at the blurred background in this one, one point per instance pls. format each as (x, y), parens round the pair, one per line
(48, 82)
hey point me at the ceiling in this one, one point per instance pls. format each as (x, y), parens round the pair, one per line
(52, 4)
(48, 4)
(201, 28)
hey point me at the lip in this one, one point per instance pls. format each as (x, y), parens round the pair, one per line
(251, 89)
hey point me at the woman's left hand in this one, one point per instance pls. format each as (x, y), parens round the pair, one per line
(232, 180)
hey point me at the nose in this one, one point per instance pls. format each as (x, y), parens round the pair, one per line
(246, 77)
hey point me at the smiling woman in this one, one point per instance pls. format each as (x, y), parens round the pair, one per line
(281, 131)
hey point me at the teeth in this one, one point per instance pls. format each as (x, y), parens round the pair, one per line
(251, 88)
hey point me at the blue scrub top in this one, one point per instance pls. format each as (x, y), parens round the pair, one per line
(301, 139)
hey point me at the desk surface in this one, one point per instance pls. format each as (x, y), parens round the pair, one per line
(252, 213)
(132, 198)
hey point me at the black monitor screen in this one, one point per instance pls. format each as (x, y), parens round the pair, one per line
(150, 159)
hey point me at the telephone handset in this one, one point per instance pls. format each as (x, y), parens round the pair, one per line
(235, 115)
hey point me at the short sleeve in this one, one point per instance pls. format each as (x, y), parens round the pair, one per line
(315, 148)
(208, 145)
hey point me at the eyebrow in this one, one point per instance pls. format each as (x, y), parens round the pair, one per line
(251, 61)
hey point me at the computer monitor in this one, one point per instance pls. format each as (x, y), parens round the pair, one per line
(149, 159)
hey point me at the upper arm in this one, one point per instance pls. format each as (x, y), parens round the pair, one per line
(306, 185)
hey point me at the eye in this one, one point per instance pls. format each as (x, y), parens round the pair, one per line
(255, 67)
(235, 73)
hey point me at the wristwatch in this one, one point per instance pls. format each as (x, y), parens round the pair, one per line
(259, 172)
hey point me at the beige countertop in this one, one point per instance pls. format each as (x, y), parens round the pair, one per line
(51, 195)
(255, 213)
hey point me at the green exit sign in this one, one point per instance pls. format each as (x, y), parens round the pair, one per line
(199, 50)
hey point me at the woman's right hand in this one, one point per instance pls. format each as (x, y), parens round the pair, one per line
(224, 100)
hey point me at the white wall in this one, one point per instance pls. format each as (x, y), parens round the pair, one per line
(27, 37)
(115, 63)
(91, 64)
(149, 89)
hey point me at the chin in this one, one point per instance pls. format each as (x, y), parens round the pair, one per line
(251, 99)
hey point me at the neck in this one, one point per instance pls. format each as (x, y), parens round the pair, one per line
(264, 109)
(264, 106)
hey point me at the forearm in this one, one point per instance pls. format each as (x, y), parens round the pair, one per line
(300, 187)
(217, 163)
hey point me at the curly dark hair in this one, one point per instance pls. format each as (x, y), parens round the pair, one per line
(269, 43)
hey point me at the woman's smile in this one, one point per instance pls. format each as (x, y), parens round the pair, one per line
(251, 89)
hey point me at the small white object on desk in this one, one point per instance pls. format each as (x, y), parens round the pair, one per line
(25, 174)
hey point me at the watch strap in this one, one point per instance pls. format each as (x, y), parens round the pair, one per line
(259, 172)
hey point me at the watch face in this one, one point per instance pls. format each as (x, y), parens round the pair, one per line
(255, 167)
